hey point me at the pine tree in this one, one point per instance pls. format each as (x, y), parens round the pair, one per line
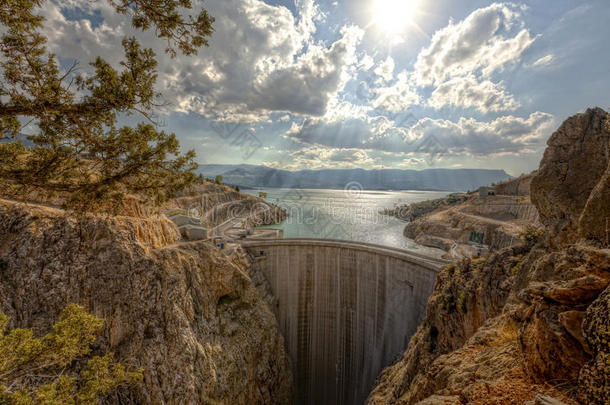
(78, 152)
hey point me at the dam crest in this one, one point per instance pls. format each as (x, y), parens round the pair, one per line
(346, 310)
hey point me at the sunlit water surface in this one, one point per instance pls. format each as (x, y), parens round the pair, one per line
(350, 214)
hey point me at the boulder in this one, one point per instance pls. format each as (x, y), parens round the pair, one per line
(570, 188)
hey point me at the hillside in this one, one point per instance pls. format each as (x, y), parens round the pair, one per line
(529, 322)
(187, 313)
(386, 179)
(447, 223)
(216, 203)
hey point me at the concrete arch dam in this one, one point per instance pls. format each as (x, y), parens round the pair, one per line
(346, 310)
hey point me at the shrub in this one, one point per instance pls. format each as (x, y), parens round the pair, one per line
(33, 370)
(516, 268)
(531, 234)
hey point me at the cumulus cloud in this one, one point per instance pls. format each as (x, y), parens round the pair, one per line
(355, 131)
(467, 91)
(504, 135)
(264, 61)
(398, 96)
(320, 157)
(261, 58)
(483, 42)
(385, 70)
(307, 86)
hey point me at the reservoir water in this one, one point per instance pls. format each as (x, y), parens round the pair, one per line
(348, 214)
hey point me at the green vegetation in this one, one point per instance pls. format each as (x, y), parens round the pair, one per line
(516, 268)
(461, 302)
(218, 179)
(35, 370)
(78, 152)
(531, 234)
(448, 302)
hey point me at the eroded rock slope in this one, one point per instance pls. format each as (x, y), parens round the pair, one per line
(530, 321)
(187, 313)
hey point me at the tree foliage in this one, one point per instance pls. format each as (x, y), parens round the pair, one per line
(35, 370)
(78, 152)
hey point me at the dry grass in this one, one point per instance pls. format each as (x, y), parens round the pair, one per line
(515, 388)
(507, 332)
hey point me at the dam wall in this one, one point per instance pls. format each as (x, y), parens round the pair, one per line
(346, 310)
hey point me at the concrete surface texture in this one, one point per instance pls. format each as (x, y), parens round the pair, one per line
(346, 310)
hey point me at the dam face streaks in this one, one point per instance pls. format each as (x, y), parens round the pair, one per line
(346, 310)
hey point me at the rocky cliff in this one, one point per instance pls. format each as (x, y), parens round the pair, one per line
(530, 322)
(500, 218)
(187, 313)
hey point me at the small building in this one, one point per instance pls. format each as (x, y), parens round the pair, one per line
(486, 191)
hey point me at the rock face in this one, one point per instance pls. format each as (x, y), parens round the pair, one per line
(595, 376)
(530, 323)
(572, 187)
(187, 313)
(517, 186)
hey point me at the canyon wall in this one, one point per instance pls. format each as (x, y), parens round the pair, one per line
(187, 313)
(528, 324)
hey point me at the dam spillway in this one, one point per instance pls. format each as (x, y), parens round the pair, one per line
(346, 310)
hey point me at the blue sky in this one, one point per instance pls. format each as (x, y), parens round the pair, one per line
(368, 83)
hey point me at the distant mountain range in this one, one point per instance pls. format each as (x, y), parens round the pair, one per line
(250, 176)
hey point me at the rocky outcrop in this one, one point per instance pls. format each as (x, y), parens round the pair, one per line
(214, 204)
(528, 324)
(572, 186)
(500, 218)
(492, 334)
(187, 313)
(413, 211)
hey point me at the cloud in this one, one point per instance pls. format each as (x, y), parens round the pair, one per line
(356, 129)
(320, 157)
(261, 59)
(410, 162)
(544, 61)
(504, 135)
(307, 86)
(354, 132)
(467, 92)
(385, 70)
(483, 42)
(399, 96)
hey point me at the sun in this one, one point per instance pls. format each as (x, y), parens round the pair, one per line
(393, 16)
